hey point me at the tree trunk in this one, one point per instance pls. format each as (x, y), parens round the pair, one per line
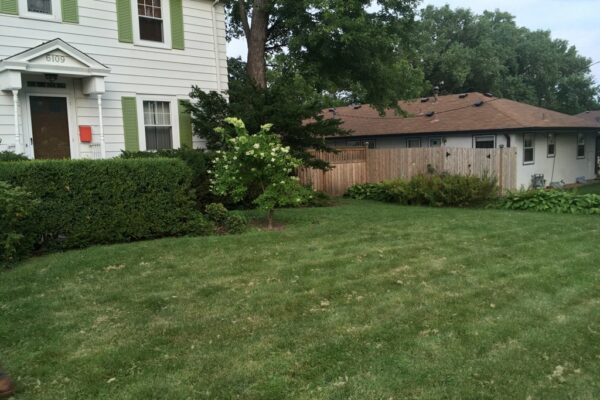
(256, 38)
(270, 219)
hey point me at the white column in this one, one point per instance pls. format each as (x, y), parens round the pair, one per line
(18, 147)
(216, 45)
(101, 123)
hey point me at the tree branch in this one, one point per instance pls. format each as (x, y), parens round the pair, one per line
(244, 18)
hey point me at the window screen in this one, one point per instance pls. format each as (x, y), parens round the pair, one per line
(157, 123)
(435, 142)
(413, 143)
(484, 142)
(40, 6)
(151, 21)
(580, 145)
(528, 149)
(551, 145)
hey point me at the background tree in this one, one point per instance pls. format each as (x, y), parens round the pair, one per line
(490, 53)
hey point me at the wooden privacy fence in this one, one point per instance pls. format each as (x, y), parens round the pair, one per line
(362, 165)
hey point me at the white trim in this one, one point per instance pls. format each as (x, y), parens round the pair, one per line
(55, 16)
(67, 93)
(532, 135)
(166, 19)
(580, 135)
(174, 109)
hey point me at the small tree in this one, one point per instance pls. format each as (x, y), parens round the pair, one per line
(258, 162)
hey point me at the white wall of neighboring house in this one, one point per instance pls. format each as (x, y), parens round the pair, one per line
(136, 70)
(564, 166)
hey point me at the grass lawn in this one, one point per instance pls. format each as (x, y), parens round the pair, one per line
(362, 301)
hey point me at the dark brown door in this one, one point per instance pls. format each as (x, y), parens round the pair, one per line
(50, 125)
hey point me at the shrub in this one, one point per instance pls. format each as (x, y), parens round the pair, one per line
(225, 220)
(257, 162)
(198, 160)
(438, 190)
(554, 201)
(16, 208)
(10, 156)
(87, 202)
(320, 199)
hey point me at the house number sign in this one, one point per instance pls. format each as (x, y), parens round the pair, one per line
(56, 58)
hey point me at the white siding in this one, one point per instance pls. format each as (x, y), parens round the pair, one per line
(134, 69)
(565, 166)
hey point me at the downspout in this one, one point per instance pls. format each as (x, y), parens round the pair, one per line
(216, 45)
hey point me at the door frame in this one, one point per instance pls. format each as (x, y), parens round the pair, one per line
(71, 117)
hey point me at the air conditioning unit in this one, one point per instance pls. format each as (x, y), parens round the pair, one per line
(538, 181)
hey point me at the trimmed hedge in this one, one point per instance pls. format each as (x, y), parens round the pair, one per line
(436, 190)
(86, 202)
(16, 207)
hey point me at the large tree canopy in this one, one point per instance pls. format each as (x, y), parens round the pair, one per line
(347, 45)
(462, 51)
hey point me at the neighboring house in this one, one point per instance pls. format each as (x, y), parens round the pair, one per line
(88, 78)
(558, 146)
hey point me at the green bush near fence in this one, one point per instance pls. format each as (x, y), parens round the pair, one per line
(435, 190)
(553, 201)
(85, 202)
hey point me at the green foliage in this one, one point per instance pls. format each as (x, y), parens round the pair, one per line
(553, 201)
(257, 162)
(225, 220)
(320, 199)
(438, 190)
(10, 156)
(16, 208)
(197, 160)
(288, 103)
(84, 202)
(490, 53)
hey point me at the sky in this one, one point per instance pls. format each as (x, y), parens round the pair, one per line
(577, 21)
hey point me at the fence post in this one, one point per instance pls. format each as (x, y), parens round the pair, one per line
(501, 170)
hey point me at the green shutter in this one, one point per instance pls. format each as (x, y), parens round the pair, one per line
(177, 24)
(124, 21)
(185, 125)
(9, 7)
(130, 123)
(70, 13)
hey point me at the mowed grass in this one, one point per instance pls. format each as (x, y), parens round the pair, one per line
(362, 301)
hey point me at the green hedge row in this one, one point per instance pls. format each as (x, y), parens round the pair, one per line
(554, 201)
(435, 190)
(85, 202)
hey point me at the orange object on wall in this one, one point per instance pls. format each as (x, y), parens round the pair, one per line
(85, 133)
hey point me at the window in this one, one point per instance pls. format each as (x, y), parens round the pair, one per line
(40, 6)
(435, 142)
(40, 9)
(551, 152)
(157, 125)
(484, 142)
(580, 145)
(361, 143)
(528, 149)
(151, 20)
(413, 143)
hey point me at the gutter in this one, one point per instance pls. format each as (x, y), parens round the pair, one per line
(216, 46)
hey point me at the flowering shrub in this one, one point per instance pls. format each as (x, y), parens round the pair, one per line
(257, 161)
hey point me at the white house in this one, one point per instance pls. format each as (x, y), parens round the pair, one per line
(551, 146)
(89, 78)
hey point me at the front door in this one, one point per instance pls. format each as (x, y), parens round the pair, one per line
(50, 127)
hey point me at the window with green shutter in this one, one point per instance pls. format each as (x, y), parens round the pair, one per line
(130, 123)
(177, 38)
(9, 7)
(185, 125)
(70, 12)
(124, 21)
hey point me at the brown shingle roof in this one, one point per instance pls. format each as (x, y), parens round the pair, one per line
(454, 114)
(593, 116)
